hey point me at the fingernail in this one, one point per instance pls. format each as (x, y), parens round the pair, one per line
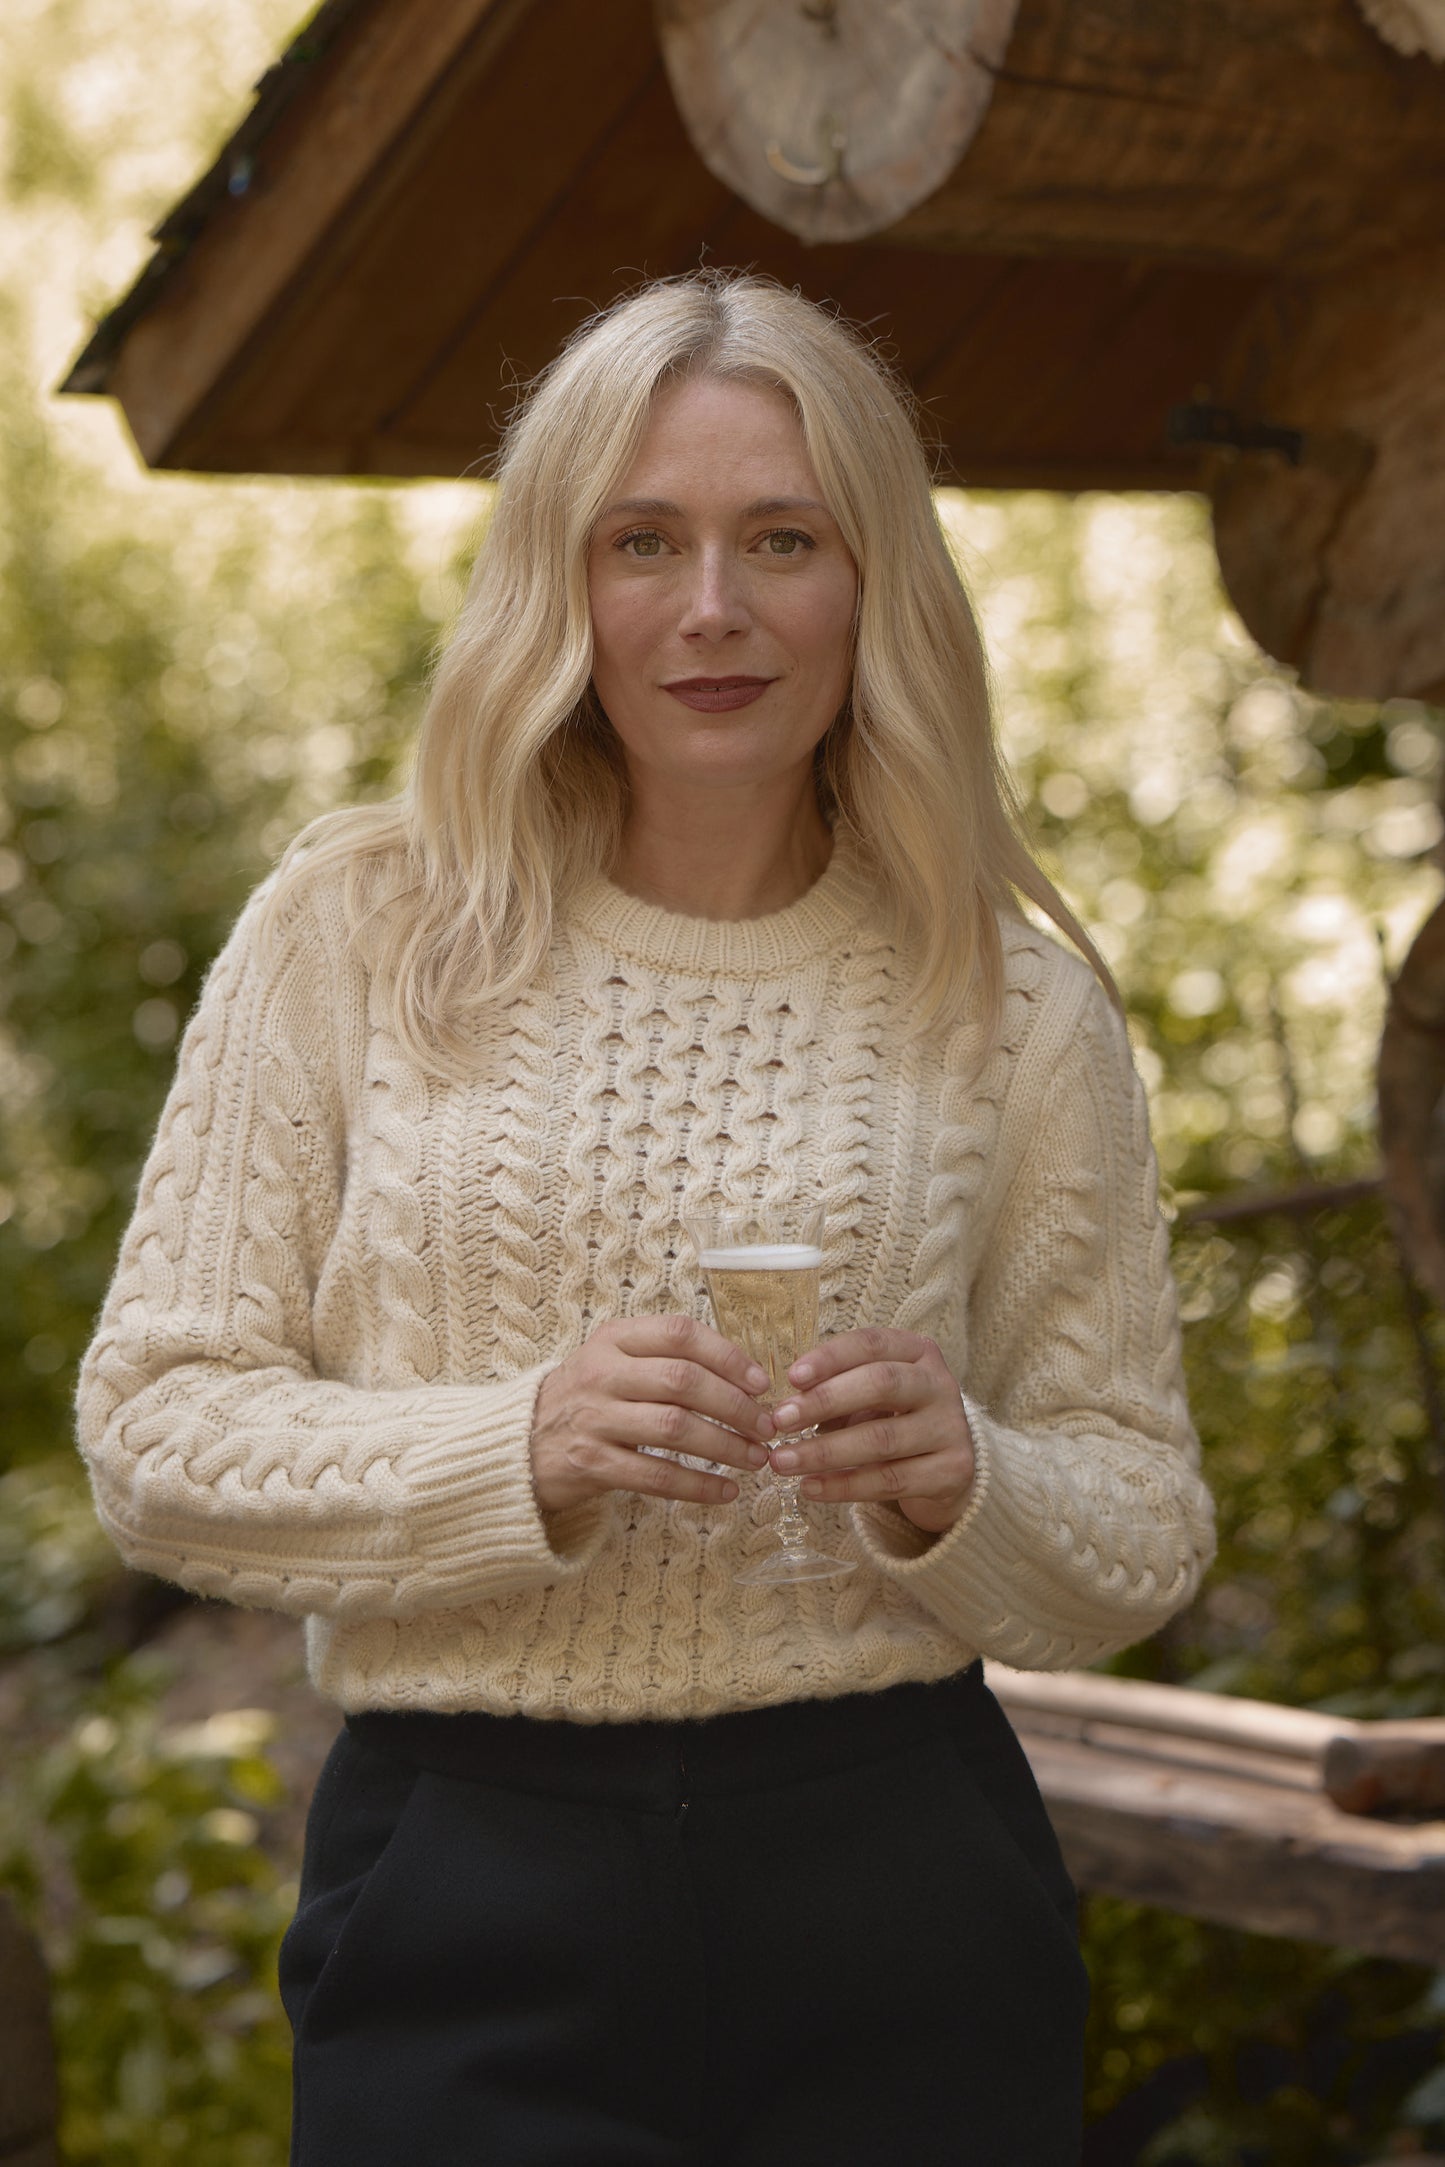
(730, 1491)
(757, 1378)
(786, 1458)
(787, 1415)
(801, 1372)
(812, 1487)
(757, 1457)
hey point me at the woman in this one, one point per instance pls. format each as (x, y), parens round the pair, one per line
(703, 891)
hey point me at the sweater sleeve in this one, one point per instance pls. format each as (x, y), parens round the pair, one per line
(218, 1457)
(1088, 1524)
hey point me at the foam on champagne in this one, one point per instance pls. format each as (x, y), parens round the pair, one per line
(763, 1257)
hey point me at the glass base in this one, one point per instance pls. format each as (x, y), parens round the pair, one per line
(786, 1565)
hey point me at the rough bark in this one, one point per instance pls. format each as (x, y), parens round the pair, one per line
(1335, 563)
(1411, 1082)
(1267, 132)
(1217, 1808)
(29, 2097)
(1388, 1768)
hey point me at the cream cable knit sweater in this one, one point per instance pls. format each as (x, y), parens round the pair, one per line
(312, 1384)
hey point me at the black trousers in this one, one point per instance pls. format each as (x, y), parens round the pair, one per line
(832, 1934)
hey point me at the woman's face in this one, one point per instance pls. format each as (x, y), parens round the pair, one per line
(722, 594)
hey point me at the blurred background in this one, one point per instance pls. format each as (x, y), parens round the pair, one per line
(189, 669)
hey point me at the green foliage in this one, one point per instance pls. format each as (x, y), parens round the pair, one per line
(1307, 1379)
(54, 1560)
(1306, 1369)
(188, 670)
(137, 1847)
(167, 719)
(1299, 2056)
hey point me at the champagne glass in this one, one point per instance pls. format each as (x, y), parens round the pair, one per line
(763, 1269)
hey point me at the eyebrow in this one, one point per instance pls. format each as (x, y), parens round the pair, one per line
(661, 508)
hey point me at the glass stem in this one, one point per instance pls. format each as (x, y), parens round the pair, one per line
(792, 1524)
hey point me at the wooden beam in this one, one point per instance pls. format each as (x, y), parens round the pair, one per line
(567, 244)
(1216, 1807)
(1300, 1201)
(1248, 132)
(1246, 1853)
(506, 145)
(1032, 374)
(347, 132)
(1079, 1698)
(1070, 372)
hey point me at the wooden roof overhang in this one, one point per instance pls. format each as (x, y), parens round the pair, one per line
(431, 193)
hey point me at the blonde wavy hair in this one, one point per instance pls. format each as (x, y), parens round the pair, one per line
(518, 791)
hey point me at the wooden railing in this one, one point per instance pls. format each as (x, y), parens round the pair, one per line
(1236, 1810)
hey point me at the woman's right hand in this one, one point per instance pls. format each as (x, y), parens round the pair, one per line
(648, 1381)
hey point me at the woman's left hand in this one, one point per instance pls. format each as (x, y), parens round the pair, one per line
(891, 1425)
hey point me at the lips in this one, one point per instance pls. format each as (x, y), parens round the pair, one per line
(717, 695)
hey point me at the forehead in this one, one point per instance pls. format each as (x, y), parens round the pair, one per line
(721, 435)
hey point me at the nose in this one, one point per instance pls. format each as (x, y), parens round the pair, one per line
(714, 602)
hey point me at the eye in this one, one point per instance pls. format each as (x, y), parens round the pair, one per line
(642, 542)
(787, 542)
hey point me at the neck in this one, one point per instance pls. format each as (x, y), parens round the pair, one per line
(716, 856)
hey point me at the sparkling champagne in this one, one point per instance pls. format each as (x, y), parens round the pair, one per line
(765, 1297)
(763, 1265)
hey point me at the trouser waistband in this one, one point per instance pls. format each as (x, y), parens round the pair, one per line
(651, 1766)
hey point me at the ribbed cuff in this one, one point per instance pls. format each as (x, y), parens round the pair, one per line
(1011, 1578)
(472, 1514)
(972, 1576)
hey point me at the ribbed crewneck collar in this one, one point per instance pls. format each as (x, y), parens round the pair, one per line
(819, 922)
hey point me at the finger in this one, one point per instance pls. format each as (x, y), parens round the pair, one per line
(685, 1337)
(687, 1384)
(666, 1427)
(645, 1474)
(851, 1350)
(929, 1476)
(888, 1439)
(899, 1386)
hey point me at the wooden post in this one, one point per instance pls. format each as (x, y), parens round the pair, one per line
(1411, 1084)
(29, 2095)
(1333, 558)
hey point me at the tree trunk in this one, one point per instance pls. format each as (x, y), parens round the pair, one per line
(29, 2096)
(1411, 1084)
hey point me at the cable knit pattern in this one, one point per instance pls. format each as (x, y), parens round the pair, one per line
(313, 1380)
